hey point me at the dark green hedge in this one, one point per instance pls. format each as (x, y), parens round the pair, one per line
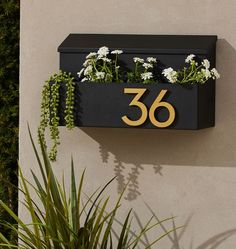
(9, 85)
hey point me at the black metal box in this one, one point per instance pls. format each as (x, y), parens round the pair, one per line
(104, 104)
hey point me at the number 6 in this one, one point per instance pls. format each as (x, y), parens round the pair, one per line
(158, 103)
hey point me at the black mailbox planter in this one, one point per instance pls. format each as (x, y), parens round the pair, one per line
(104, 105)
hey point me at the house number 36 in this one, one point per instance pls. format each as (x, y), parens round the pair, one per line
(151, 113)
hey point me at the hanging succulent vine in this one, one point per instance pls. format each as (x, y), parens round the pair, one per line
(54, 119)
(45, 112)
(70, 97)
(49, 109)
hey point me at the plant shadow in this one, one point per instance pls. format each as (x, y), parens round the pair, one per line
(177, 235)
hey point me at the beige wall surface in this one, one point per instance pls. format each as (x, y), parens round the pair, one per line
(190, 174)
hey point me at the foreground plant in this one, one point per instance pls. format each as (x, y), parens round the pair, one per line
(193, 73)
(68, 221)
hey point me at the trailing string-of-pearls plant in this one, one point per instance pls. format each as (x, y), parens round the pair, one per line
(49, 109)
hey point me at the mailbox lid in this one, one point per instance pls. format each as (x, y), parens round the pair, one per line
(132, 43)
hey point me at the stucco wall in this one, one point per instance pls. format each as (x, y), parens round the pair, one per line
(190, 174)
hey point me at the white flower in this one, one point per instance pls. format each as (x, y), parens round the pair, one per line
(80, 72)
(137, 59)
(117, 51)
(87, 62)
(170, 74)
(91, 55)
(100, 75)
(215, 74)
(106, 59)
(147, 65)
(146, 76)
(103, 52)
(88, 70)
(206, 63)
(84, 79)
(151, 60)
(189, 58)
(207, 73)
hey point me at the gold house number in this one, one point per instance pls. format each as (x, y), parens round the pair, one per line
(144, 111)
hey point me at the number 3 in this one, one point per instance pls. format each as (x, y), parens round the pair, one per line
(135, 102)
(144, 112)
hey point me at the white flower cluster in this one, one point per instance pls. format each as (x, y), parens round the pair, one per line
(206, 63)
(189, 58)
(193, 73)
(146, 76)
(138, 60)
(97, 66)
(170, 74)
(116, 52)
(213, 73)
(103, 52)
(147, 65)
(91, 55)
(151, 60)
(103, 66)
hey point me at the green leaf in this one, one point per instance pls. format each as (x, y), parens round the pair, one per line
(123, 237)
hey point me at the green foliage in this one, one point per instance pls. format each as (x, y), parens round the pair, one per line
(54, 119)
(65, 219)
(49, 109)
(9, 82)
(70, 97)
(45, 112)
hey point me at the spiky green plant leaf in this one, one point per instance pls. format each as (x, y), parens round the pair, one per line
(59, 220)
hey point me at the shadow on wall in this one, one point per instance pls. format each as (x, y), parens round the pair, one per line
(179, 232)
(212, 147)
(212, 243)
(177, 235)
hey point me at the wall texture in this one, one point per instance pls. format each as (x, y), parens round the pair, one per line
(190, 174)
